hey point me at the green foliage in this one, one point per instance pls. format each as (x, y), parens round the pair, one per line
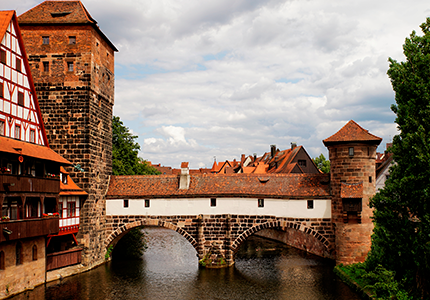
(322, 163)
(108, 252)
(125, 150)
(380, 282)
(401, 239)
(131, 246)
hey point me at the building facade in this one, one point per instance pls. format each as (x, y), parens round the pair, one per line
(72, 63)
(29, 170)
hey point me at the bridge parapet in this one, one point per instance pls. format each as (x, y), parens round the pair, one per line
(226, 233)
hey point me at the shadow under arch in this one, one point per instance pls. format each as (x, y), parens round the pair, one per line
(122, 230)
(308, 239)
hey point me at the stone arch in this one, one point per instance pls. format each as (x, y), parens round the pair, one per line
(324, 243)
(119, 232)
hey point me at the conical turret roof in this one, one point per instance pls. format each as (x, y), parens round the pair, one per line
(352, 132)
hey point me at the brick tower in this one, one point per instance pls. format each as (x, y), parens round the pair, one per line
(352, 152)
(72, 63)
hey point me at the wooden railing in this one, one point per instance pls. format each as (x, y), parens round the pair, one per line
(26, 228)
(63, 259)
(26, 184)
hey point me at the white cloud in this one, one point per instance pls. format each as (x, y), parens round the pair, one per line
(198, 79)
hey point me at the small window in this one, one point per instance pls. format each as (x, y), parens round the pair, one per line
(34, 252)
(1, 89)
(310, 204)
(351, 151)
(46, 66)
(72, 40)
(45, 40)
(71, 209)
(146, 202)
(2, 266)
(260, 202)
(370, 179)
(302, 162)
(64, 178)
(1, 127)
(125, 204)
(32, 136)
(2, 56)
(17, 131)
(21, 98)
(213, 202)
(18, 64)
(60, 209)
(69, 66)
(18, 253)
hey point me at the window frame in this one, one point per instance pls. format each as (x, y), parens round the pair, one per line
(32, 135)
(213, 202)
(45, 65)
(18, 64)
(310, 204)
(72, 40)
(3, 55)
(45, 40)
(70, 66)
(2, 127)
(17, 131)
(21, 98)
(125, 203)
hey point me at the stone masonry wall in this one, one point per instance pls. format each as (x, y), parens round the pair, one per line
(226, 231)
(30, 273)
(353, 241)
(77, 112)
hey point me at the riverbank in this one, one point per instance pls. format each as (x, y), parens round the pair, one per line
(364, 293)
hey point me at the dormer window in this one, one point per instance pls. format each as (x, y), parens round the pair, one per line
(351, 151)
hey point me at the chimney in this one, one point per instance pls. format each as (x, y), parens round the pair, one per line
(242, 159)
(293, 145)
(272, 150)
(184, 178)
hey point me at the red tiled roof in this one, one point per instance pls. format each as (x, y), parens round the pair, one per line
(352, 132)
(61, 12)
(70, 188)
(221, 185)
(354, 190)
(5, 18)
(32, 150)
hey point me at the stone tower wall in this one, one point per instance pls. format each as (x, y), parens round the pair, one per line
(352, 240)
(77, 111)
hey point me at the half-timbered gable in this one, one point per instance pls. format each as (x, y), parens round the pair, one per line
(20, 116)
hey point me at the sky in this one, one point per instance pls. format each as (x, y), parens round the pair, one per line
(199, 80)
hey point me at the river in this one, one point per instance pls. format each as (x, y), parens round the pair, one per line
(263, 270)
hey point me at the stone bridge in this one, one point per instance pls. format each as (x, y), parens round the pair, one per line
(217, 238)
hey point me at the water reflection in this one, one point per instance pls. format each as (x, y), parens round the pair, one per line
(169, 270)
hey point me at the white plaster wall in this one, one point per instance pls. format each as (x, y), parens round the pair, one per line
(234, 206)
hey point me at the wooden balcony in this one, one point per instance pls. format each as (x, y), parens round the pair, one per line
(28, 184)
(63, 259)
(26, 228)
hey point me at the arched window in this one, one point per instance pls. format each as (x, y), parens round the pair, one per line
(18, 253)
(2, 267)
(34, 252)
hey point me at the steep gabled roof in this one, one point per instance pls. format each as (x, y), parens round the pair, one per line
(61, 13)
(5, 19)
(9, 27)
(288, 186)
(352, 132)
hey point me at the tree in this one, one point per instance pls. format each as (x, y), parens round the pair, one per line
(401, 239)
(125, 150)
(322, 163)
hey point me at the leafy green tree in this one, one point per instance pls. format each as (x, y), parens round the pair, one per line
(322, 163)
(131, 246)
(401, 240)
(125, 150)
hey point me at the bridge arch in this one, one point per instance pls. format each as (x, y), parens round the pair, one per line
(295, 235)
(120, 231)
